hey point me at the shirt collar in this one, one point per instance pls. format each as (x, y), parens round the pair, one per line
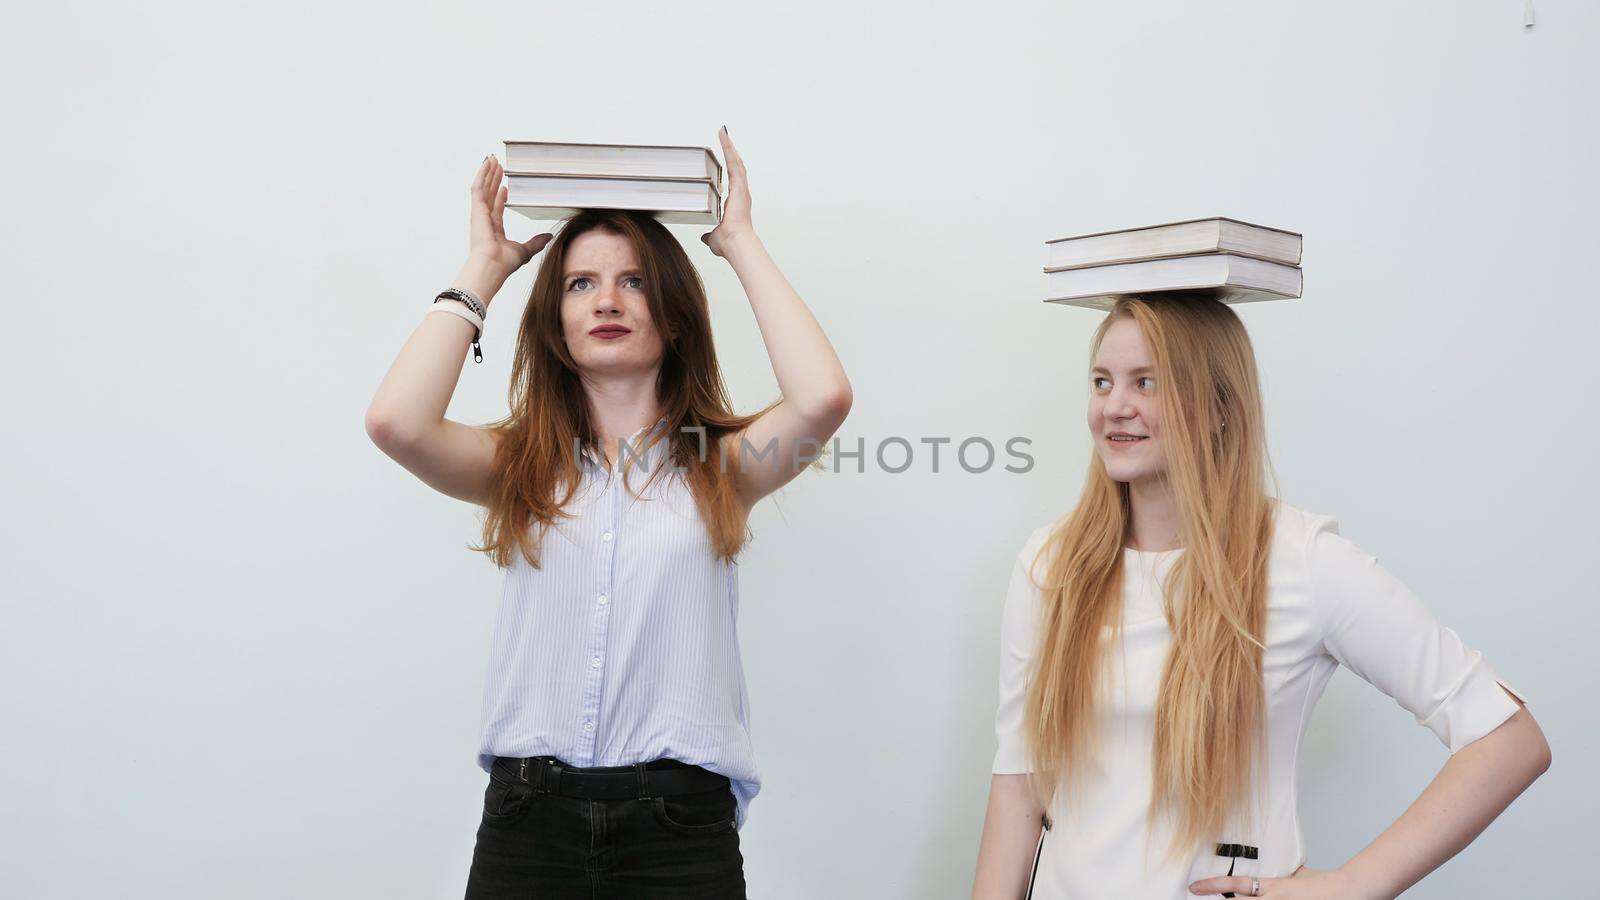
(630, 455)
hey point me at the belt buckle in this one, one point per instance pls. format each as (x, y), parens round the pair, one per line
(542, 781)
(1234, 851)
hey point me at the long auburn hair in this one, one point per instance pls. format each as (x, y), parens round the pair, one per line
(535, 471)
(1210, 712)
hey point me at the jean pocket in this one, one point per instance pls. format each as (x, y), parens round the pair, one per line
(505, 801)
(700, 813)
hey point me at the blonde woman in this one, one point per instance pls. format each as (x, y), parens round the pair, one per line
(615, 728)
(1163, 645)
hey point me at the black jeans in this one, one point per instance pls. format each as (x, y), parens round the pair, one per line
(538, 845)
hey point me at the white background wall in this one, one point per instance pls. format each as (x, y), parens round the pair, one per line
(242, 650)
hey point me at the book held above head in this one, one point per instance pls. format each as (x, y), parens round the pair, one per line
(636, 160)
(549, 180)
(1229, 260)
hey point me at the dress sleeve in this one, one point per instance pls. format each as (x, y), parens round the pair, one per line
(1375, 627)
(1018, 628)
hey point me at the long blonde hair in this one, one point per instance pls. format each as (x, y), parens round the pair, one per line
(1210, 712)
(535, 470)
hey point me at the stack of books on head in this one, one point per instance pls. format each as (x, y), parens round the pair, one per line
(547, 180)
(1233, 261)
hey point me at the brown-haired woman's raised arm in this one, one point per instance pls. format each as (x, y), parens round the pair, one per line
(406, 417)
(816, 394)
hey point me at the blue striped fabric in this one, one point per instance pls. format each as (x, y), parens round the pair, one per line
(623, 647)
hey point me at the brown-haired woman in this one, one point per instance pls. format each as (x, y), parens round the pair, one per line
(1164, 643)
(614, 722)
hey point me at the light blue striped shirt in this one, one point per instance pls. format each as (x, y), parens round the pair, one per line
(623, 646)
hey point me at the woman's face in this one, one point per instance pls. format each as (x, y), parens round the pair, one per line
(1125, 406)
(605, 313)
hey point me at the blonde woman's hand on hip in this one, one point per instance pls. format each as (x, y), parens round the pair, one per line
(1304, 884)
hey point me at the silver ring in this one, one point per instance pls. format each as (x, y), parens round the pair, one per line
(1255, 887)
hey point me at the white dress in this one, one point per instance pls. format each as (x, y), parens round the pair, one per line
(1329, 602)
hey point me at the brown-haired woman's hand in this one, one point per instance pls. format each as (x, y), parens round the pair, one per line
(488, 239)
(735, 224)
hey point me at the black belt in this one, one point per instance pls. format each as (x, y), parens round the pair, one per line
(661, 778)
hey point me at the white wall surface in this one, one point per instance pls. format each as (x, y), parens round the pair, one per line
(241, 650)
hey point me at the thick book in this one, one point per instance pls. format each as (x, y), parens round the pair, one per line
(1214, 235)
(627, 160)
(1226, 276)
(547, 197)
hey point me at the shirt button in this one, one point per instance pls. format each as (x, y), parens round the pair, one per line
(605, 536)
(603, 600)
(588, 726)
(594, 663)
